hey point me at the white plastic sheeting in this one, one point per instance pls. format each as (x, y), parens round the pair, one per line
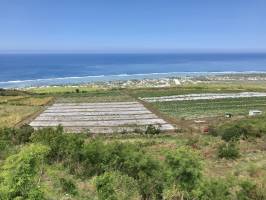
(99, 117)
(203, 96)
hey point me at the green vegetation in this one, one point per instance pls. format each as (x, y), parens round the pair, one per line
(210, 108)
(228, 151)
(115, 185)
(226, 163)
(123, 167)
(15, 106)
(20, 173)
(152, 130)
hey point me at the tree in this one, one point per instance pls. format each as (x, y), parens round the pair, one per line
(18, 178)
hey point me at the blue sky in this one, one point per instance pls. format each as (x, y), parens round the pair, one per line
(132, 25)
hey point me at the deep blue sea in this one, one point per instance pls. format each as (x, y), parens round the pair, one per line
(23, 70)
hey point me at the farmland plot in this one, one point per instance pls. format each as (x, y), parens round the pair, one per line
(204, 96)
(99, 117)
(210, 108)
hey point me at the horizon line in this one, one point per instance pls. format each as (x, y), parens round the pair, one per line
(132, 51)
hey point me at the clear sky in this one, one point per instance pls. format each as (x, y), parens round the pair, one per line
(132, 25)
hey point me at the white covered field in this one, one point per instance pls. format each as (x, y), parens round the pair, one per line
(99, 117)
(204, 96)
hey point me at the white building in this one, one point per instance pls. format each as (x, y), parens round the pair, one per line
(254, 112)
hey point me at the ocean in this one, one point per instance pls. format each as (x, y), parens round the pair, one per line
(25, 70)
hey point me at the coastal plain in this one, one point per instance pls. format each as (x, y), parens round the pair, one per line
(87, 107)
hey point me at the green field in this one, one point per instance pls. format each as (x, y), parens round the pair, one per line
(210, 108)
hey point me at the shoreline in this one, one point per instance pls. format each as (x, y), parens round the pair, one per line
(105, 79)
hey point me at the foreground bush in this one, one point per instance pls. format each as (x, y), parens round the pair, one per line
(185, 168)
(228, 150)
(128, 159)
(116, 186)
(249, 190)
(64, 147)
(16, 136)
(19, 175)
(175, 193)
(213, 190)
(68, 186)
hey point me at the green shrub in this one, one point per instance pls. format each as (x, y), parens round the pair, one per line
(250, 190)
(116, 186)
(175, 193)
(23, 134)
(185, 168)
(68, 186)
(239, 130)
(213, 190)
(94, 156)
(16, 135)
(128, 159)
(64, 147)
(228, 151)
(5, 138)
(18, 178)
(152, 130)
(233, 133)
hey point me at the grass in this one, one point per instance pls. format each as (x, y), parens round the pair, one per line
(210, 108)
(14, 109)
(95, 96)
(11, 115)
(63, 89)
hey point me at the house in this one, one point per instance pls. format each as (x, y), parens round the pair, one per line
(254, 112)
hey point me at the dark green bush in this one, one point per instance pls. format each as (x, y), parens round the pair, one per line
(233, 133)
(152, 130)
(5, 138)
(184, 168)
(23, 134)
(68, 186)
(64, 147)
(116, 186)
(94, 156)
(128, 159)
(213, 190)
(16, 135)
(228, 151)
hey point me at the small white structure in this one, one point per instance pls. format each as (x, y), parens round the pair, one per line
(254, 112)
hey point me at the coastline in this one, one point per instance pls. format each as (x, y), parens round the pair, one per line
(124, 78)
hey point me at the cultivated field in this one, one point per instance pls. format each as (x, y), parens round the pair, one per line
(99, 117)
(204, 96)
(210, 108)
